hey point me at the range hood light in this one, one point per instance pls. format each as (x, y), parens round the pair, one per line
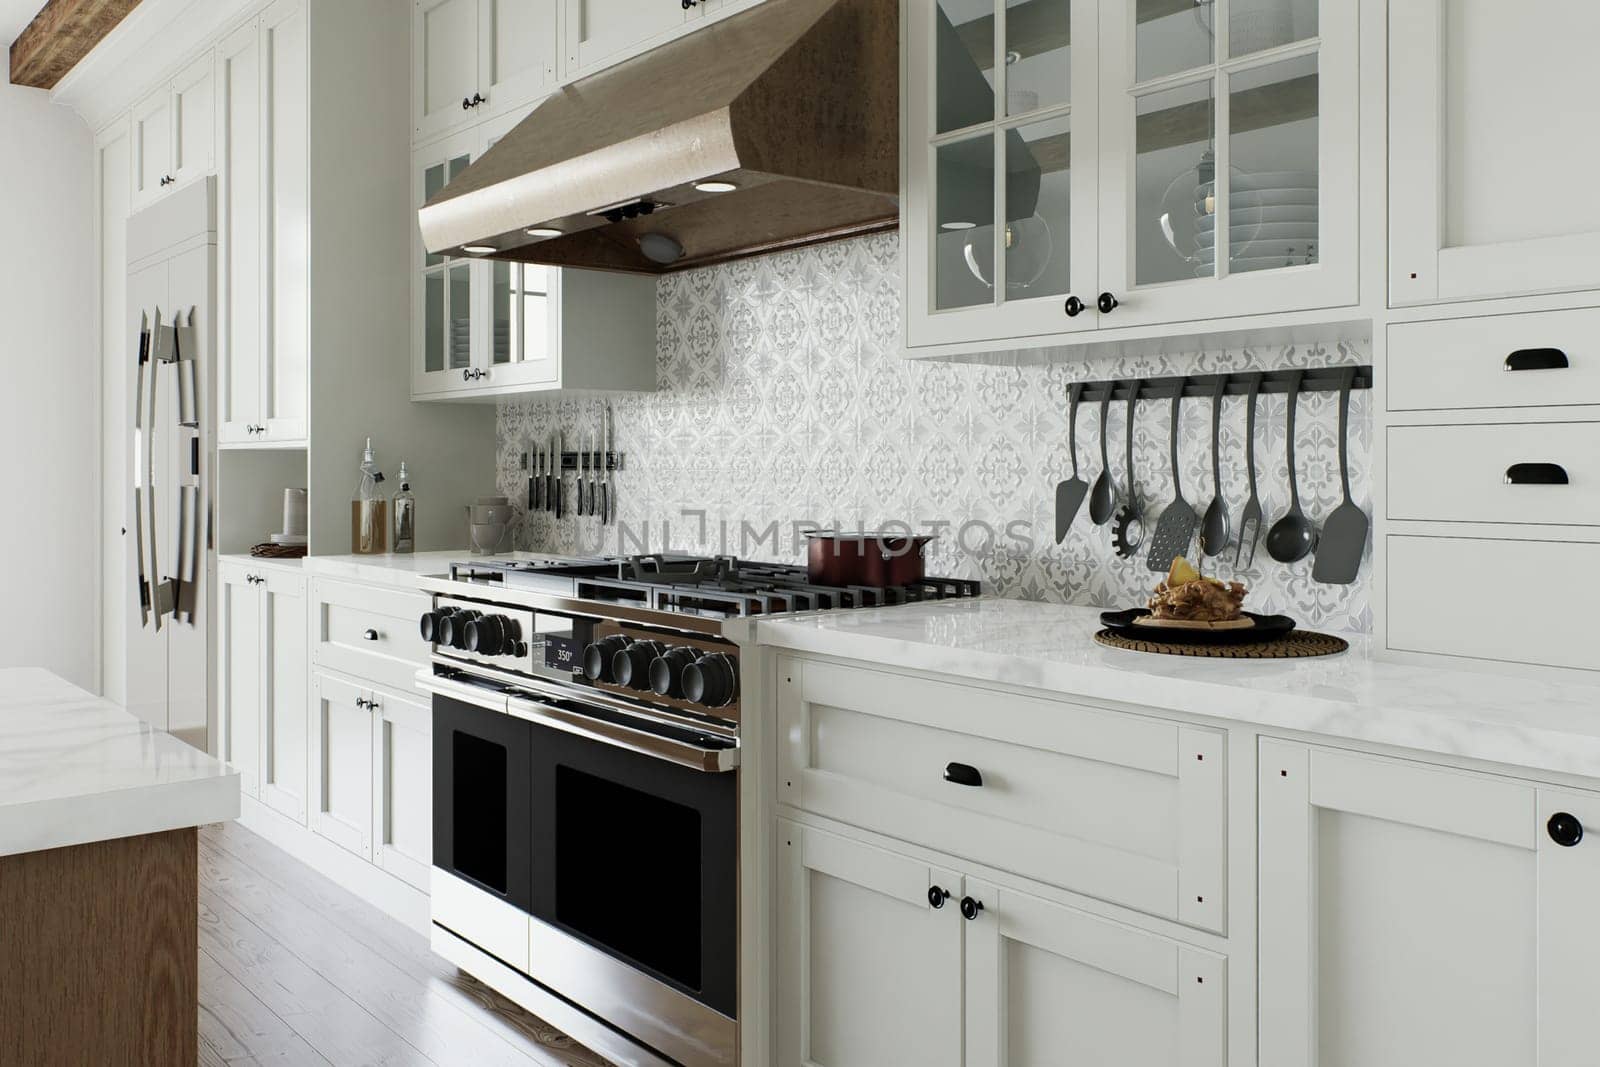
(478, 250)
(715, 187)
(660, 248)
(543, 231)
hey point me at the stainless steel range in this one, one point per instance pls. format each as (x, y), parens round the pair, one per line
(586, 750)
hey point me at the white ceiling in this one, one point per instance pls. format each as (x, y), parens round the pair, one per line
(14, 18)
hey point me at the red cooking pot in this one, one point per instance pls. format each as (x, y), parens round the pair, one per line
(873, 559)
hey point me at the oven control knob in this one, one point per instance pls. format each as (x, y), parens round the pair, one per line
(666, 673)
(597, 657)
(631, 666)
(711, 680)
(490, 635)
(430, 624)
(453, 629)
(517, 649)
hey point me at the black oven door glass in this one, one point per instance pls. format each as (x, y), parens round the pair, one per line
(481, 799)
(638, 858)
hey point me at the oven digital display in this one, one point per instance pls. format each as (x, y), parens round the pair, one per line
(563, 654)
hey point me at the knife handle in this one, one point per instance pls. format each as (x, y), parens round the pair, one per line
(605, 505)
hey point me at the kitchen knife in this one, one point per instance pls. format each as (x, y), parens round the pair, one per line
(557, 462)
(583, 473)
(607, 446)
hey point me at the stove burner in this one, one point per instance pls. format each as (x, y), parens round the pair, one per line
(701, 585)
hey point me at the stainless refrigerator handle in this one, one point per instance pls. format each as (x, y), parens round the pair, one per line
(141, 371)
(159, 599)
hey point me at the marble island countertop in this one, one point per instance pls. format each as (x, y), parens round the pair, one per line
(75, 768)
(1522, 722)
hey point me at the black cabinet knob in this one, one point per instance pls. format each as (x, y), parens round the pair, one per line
(598, 657)
(962, 774)
(970, 908)
(466, 103)
(666, 673)
(937, 895)
(631, 666)
(711, 680)
(687, 4)
(1565, 829)
(1075, 307)
(1107, 303)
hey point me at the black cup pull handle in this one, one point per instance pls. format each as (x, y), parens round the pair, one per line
(970, 908)
(1537, 359)
(962, 774)
(937, 895)
(1537, 474)
(369, 635)
(1565, 829)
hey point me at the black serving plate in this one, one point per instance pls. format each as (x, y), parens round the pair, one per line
(1266, 628)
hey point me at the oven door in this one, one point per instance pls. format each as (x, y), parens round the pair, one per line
(481, 814)
(635, 890)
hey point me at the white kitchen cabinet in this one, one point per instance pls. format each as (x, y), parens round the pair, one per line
(373, 774)
(600, 32)
(1416, 914)
(261, 683)
(868, 972)
(1488, 194)
(263, 138)
(239, 684)
(474, 59)
(485, 328)
(173, 133)
(1049, 984)
(1083, 165)
(402, 784)
(240, 220)
(341, 744)
(875, 964)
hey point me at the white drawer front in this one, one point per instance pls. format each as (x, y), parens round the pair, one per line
(1463, 363)
(1120, 807)
(1514, 601)
(1491, 473)
(369, 633)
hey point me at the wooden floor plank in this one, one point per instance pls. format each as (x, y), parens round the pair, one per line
(330, 1022)
(397, 976)
(273, 920)
(236, 1028)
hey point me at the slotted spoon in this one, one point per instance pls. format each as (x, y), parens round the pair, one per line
(1175, 529)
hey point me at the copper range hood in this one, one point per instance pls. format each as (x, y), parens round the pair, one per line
(790, 108)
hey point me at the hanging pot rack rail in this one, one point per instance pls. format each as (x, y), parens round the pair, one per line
(1315, 380)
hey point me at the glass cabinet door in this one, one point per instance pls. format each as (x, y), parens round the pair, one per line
(1000, 218)
(522, 346)
(1229, 148)
(444, 358)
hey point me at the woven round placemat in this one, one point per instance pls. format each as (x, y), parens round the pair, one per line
(1296, 644)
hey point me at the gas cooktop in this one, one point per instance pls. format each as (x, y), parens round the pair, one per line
(696, 585)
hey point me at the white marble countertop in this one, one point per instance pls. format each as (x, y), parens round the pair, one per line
(75, 768)
(1522, 722)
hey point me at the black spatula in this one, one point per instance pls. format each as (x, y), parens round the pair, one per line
(1175, 529)
(1070, 493)
(1344, 535)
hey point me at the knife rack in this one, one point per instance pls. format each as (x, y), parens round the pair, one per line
(1314, 380)
(569, 460)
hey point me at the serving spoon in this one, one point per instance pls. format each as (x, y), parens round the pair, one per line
(1103, 497)
(1292, 537)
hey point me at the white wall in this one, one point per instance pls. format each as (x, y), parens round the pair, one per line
(49, 399)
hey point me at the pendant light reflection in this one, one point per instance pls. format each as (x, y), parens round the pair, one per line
(1029, 245)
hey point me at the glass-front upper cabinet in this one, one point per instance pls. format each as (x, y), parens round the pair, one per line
(1228, 142)
(447, 291)
(999, 215)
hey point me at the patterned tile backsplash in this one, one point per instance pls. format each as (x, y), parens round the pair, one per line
(783, 404)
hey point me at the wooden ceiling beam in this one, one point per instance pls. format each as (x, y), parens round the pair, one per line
(61, 34)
